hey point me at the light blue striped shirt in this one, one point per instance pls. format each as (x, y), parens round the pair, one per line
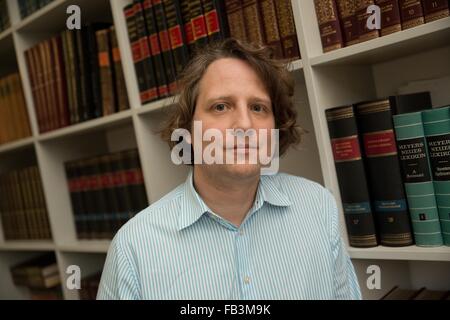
(287, 247)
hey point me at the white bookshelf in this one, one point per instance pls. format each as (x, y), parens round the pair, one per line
(365, 71)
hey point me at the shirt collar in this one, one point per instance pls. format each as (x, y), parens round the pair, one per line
(193, 207)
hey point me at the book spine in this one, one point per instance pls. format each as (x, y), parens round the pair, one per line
(390, 16)
(271, 30)
(253, 22)
(364, 33)
(177, 37)
(235, 17)
(95, 99)
(328, 20)
(216, 22)
(288, 33)
(84, 88)
(41, 203)
(134, 179)
(411, 13)
(60, 80)
(435, 9)
(187, 22)
(151, 92)
(437, 131)
(417, 179)
(155, 45)
(103, 214)
(74, 82)
(41, 88)
(106, 74)
(198, 24)
(349, 25)
(120, 87)
(123, 194)
(351, 177)
(383, 170)
(129, 12)
(72, 176)
(26, 204)
(161, 24)
(112, 206)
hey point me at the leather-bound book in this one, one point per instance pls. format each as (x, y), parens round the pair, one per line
(253, 22)
(390, 16)
(435, 9)
(235, 16)
(271, 30)
(198, 21)
(383, 172)
(216, 19)
(411, 12)
(122, 102)
(330, 30)
(155, 46)
(349, 24)
(351, 176)
(364, 33)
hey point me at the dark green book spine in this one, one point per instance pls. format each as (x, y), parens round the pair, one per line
(383, 171)
(351, 177)
(417, 179)
(436, 124)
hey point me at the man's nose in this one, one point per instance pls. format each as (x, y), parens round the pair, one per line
(243, 117)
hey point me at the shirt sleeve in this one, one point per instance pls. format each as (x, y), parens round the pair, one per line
(346, 285)
(119, 280)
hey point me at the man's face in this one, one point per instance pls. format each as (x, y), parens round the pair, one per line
(232, 96)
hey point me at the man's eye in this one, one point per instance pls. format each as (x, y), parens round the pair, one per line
(258, 108)
(220, 107)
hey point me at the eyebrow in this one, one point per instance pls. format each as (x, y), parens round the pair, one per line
(253, 99)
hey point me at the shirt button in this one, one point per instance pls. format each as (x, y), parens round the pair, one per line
(241, 233)
(247, 280)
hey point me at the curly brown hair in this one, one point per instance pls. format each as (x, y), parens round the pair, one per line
(273, 73)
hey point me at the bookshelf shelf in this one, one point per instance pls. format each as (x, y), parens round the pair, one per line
(407, 253)
(156, 105)
(38, 17)
(30, 245)
(16, 145)
(5, 34)
(88, 126)
(422, 38)
(364, 71)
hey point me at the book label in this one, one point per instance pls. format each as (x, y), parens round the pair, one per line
(346, 149)
(439, 149)
(413, 159)
(380, 144)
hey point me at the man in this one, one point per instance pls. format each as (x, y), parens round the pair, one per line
(229, 232)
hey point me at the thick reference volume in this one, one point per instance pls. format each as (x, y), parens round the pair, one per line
(351, 176)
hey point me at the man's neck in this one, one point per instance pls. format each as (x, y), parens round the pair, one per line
(228, 197)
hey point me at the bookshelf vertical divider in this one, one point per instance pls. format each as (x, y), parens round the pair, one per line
(323, 80)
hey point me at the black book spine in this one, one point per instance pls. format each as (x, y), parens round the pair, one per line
(384, 174)
(155, 49)
(351, 177)
(112, 205)
(95, 107)
(198, 24)
(166, 51)
(72, 175)
(84, 89)
(136, 50)
(135, 180)
(177, 36)
(188, 30)
(151, 91)
(216, 20)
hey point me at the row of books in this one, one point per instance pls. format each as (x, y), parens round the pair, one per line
(392, 160)
(397, 293)
(27, 7)
(89, 287)
(40, 272)
(344, 22)
(105, 191)
(5, 22)
(76, 76)
(22, 205)
(164, 34)
(14, 124)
